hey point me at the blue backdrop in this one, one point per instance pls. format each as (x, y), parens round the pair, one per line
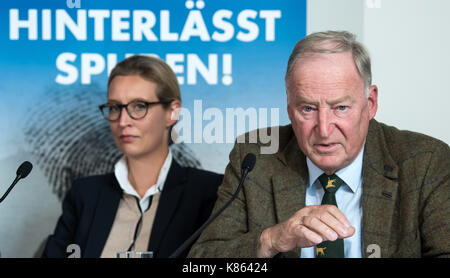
(54, 62)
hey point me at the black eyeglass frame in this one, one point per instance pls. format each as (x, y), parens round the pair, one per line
(121, 106)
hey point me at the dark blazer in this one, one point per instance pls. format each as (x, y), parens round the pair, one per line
(90, 206)
(405, 196)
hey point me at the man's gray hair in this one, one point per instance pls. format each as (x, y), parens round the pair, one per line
(340, 41)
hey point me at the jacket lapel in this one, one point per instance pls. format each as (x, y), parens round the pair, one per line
(289, 185)
(380, 173)
(105, 212)
(172, 192)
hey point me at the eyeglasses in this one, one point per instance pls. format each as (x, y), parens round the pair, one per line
(137, 109)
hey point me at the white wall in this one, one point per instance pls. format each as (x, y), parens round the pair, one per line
(324, 15)
(409, 43)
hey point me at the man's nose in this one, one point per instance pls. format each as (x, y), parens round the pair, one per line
(325, 122)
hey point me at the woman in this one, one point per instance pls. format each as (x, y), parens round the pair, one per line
(150, 202)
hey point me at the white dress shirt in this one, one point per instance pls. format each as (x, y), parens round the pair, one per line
(121, 173)
(348, 199)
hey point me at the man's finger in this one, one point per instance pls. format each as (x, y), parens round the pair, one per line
(334, 211)
(307, 237)
(316, 224)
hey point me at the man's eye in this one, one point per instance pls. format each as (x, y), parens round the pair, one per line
(342, 107)
(307, 109)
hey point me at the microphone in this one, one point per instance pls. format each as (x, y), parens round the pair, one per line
(246, 167)
(22, 172)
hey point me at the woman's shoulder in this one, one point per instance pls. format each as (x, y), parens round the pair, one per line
(86, 192)
(195, 173)
(203, 180)
(92, 184)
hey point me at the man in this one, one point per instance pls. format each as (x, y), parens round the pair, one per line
(341, 184)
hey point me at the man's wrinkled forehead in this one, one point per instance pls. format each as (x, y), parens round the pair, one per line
(325, 70)
(302, 99)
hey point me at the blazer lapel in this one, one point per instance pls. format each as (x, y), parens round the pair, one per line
(380, 185)
(289, 185)
(102, 222)
(172, 192)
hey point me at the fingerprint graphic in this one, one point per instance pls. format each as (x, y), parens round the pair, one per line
(69, 138)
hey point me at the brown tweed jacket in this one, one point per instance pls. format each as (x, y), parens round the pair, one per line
(406, 190)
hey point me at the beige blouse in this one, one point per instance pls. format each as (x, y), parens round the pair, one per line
(123, 230)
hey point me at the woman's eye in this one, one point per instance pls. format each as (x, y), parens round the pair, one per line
(114, 109)
(139, 106)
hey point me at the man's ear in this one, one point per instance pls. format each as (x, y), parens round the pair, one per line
(373, 101)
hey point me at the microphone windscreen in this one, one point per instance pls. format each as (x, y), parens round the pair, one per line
(249, 162)
(24, 169)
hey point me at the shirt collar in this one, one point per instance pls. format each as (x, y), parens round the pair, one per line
(121, 173)
(351, 175)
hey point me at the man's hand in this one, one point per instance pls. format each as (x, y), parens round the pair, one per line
(307, 227)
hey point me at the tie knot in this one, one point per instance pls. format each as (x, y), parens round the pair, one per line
(330, 183)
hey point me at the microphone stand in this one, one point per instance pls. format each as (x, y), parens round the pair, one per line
(10, 187)
(191, 239)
